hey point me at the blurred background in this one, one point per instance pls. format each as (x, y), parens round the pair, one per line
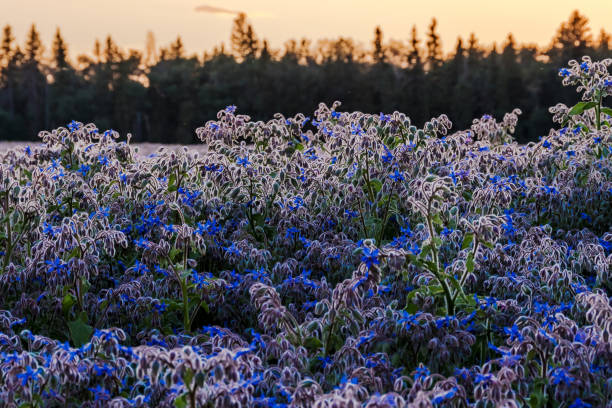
(160, 68)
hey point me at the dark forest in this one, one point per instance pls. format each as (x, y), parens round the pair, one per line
(162, 94)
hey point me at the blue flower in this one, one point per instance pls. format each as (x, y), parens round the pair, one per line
(462, 373)
(200, 279)
(291, 232)
(100, 394)
(161, 307)
(142, 243)
(73, 126)
(388, 156)
(356, 129)
(446, 232)
(559, 375)
(508, 226)
(188, 197)
(18, 322)
(29, 375)
(409, 320)
(440, 398)
(364, 339)
(58, 266)
(396, 176)
(160, 270)
(421, 373)
(140, 267)
(103, 160)
(514, 333)
(48, 229)
(211, 227)
(483, 378)
(384, 118)
(325, 361)
(297, 203)
(548, 336)
(370, 257)
(230, 109)
(104, 369)
(578, 403)
(243, 161)
(350, 214)
(83, 169)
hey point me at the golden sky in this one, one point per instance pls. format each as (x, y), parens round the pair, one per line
(82, 21)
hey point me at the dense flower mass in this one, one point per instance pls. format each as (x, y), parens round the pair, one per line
(338, 260)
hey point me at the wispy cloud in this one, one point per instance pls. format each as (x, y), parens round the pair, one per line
(220, 11)
(215, 10)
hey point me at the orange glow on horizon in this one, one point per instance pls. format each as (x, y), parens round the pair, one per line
(82, 21)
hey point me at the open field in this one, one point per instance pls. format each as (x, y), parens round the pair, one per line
(144, 149)
(337, 260)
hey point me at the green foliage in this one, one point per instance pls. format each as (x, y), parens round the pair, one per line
(80, 331)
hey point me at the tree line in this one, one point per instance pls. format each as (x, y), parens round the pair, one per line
(160, 94)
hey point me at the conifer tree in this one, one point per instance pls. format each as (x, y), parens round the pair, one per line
(379, 51)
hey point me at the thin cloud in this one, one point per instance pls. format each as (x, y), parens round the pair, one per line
(215, 10)
(204, 8)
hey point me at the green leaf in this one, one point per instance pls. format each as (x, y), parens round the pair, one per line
(67, 302)
(607, 111)
(538, 397)
(173, 253)
(204, 306)
(580, 107)
(188, 376)
(80, 332)
(425, 250)
(411, 307)
(172, 183)
(259, 219)
(313, 343)
(376, 185)
(487, 244)
(181, 402)
(454, 282)
(467, 240)
(469, 263)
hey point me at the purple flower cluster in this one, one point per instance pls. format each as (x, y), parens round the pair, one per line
(348, 260)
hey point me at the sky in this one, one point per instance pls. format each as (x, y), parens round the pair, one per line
(202, 24)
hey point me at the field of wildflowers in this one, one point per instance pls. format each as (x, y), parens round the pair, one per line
(338, 260)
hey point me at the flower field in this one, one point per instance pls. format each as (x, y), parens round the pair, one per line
(339, 260)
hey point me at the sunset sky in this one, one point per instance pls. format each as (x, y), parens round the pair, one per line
(204, 24)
